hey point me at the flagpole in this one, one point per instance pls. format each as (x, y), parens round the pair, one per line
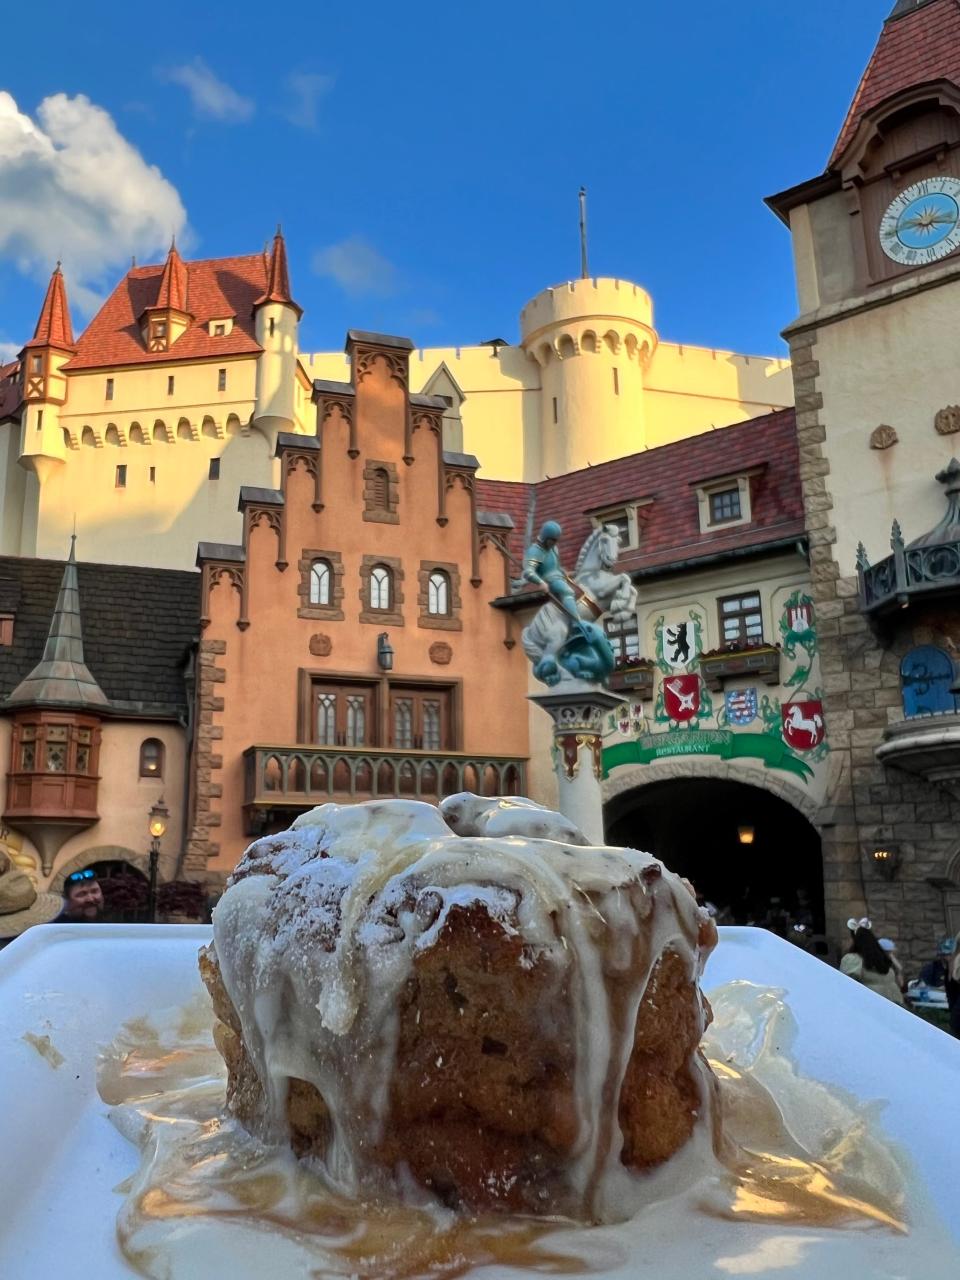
(584, 272)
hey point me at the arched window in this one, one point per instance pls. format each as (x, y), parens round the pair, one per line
(438, 594)
(380, 489)
(380, 587)
(151, 758)
(87, 437)
(320, 582)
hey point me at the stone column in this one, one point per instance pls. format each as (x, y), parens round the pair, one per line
(578, 710)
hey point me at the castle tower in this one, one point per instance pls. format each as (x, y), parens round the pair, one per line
(876, 241)
(44, 384)
(593, 340)
(277, 319)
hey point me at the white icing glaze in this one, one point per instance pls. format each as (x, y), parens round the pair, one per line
(318, 929)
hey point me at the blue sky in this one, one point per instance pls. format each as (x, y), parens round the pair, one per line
(424, 159)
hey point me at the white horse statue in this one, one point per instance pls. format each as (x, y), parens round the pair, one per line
(554, 643)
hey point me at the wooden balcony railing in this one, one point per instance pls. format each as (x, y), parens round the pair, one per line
(280, 781)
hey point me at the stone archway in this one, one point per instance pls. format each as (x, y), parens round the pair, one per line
(99, 853)
(746, 839)
(631, 777)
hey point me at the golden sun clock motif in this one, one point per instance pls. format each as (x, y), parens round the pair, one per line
(922, 224)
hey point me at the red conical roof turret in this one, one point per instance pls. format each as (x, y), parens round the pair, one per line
(173, 283)
(54, 328)
(278, 277)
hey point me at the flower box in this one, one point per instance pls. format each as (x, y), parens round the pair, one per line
(634, 678)
(761, 661)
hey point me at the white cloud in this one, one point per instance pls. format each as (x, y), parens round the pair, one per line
(211, 97)
(357, 267)
(72, 187)
(304, 90)
(8, 351)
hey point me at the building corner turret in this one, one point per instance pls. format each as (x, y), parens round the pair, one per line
(277, 318)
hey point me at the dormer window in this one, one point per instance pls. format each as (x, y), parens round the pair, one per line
(220, 327)
(725, 506)
(219, 330)
(624, 519)
(36, 364)
(159, 328)
(725, 502)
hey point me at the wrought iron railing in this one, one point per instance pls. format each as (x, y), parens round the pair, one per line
(298, 776)
(907, 572)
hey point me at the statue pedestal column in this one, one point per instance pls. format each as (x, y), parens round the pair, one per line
(578, 710)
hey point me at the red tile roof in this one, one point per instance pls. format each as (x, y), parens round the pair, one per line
(54, 328)
(173, 283)
(278, 278)
(670, 524)
(512, 497)
(915, 46)
(10, 389)
(217, 289)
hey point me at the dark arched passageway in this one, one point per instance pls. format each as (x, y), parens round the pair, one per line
(751, 854)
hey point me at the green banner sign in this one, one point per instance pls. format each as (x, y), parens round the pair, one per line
(774, 752)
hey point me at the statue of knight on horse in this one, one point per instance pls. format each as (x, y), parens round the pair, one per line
(566, 638)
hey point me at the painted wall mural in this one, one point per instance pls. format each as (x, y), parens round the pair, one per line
(782, 730)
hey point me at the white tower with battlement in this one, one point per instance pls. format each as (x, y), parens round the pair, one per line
(593, 340)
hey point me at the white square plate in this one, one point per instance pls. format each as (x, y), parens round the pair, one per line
(76, 984)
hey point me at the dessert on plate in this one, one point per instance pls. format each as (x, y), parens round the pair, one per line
(505, 1021)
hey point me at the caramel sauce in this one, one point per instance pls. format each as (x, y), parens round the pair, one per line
(205, 1183)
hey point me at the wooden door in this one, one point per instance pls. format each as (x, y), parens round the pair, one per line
(420, 719)
(344, 715)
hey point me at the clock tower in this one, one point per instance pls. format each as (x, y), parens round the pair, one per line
(874, 350)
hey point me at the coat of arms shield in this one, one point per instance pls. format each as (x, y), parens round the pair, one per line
(678, 641)
(803, 724)
(800, 618)
(741, 705)
(681, 697)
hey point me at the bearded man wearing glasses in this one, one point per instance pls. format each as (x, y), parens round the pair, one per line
(83, 898)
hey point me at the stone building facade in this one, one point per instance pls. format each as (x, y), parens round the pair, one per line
(875, 241)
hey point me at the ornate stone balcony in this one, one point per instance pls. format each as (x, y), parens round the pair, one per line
(925, 745)
(925, 568)
(282, 781)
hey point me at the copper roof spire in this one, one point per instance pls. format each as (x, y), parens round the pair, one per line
(61, 677)
(53, 327)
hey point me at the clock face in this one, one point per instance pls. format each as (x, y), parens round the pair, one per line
(923, 223)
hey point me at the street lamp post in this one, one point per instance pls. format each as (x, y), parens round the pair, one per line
(158, 825)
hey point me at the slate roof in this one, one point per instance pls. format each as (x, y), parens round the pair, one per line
(670, 523)
(920, 42)
(10, 389)
(217, 289)
(137, 627)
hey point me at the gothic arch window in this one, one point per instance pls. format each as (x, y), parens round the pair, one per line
(381, 587)
(438, 594)
(926, 677)
(321, 576)
(151, 758)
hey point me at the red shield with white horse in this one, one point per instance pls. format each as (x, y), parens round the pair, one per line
(681, 697)
(803, 724)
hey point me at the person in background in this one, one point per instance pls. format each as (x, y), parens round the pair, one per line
(934, 972)
(867, 962)
(953, 988)
(82, 898)
(890, 947)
